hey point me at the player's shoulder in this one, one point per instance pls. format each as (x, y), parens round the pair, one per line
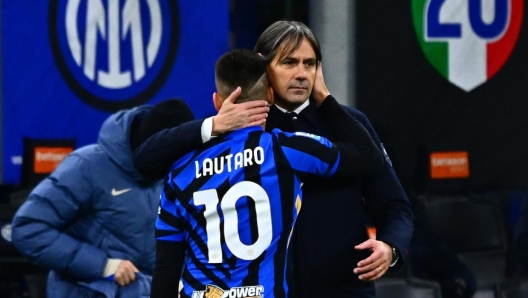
(360, 116)
(299, 140)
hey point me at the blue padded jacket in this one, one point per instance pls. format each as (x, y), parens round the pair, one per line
(93, 207)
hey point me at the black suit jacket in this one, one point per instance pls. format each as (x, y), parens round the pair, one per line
(333, 217)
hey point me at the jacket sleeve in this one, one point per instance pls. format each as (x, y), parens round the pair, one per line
(156, 155)
(386, 202)
(39, 224)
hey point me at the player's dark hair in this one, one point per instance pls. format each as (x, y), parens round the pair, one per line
(242, 68)
(286, 36)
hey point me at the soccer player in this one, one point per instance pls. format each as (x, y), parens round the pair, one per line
(227, 210)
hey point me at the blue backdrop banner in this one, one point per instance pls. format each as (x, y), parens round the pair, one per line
(68, 64)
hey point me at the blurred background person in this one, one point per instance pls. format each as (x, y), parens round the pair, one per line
(91, 222)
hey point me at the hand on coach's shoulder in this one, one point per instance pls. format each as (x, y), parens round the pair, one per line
(233, 116)
(319, 92)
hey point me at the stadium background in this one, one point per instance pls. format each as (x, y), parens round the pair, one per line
(374, 60)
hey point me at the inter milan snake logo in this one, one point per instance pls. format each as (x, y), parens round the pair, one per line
(114, 53)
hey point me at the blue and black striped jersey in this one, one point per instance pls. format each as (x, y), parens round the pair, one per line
(234, 203)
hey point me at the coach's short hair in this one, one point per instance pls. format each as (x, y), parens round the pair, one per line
(287, 37)
(242, 68)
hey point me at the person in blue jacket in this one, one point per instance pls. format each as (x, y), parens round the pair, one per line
(91, 222)
(332, 255)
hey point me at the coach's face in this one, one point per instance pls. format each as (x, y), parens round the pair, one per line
(292, 77)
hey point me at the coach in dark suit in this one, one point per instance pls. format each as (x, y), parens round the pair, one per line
(332, 255)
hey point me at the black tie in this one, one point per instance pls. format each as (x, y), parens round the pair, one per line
(287, 122)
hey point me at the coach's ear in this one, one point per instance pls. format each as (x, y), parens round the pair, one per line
(271, 96)
(217, 101)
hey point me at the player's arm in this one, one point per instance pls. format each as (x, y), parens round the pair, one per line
(355, 155)
(169, 264)
(309, 155)
(170, 245)
(358, 150)
(157, 154)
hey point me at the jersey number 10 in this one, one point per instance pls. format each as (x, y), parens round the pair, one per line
(209, 198)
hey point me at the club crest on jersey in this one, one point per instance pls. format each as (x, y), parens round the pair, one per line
(114, 54)
(467, 41)
(212, 291)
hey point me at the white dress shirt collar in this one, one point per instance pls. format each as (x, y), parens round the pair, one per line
(297, 110)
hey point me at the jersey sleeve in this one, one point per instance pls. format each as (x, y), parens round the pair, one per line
(308, 154)
(170, 258)
(352, 154)
(170, 222)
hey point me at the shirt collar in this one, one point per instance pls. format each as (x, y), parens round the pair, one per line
(297, 110)
(308, 109)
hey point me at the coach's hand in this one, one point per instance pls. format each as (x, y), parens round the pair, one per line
(125, 273)
(377, 263)
(233, 116)
(319, 92)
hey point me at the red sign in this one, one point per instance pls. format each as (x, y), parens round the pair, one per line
(449, 165)
(48, 158)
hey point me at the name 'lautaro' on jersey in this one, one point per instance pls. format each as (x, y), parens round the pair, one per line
(232, 162)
